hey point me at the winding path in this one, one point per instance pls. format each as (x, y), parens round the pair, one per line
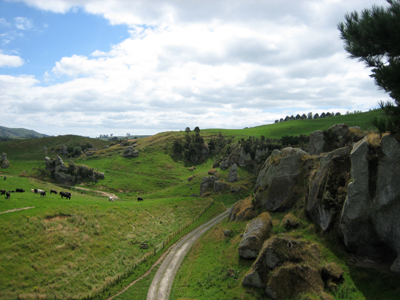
(160, 288)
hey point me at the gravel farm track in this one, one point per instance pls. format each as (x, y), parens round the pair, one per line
(160, 287)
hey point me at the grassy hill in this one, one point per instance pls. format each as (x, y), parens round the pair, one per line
(81, 247)
(16, 133)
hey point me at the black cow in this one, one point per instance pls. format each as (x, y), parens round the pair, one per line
(42, 193)
(53, 192)
(3, 192)
(65, 194)
(20, 190)
(7, 195)
(5, 177)
(139, 199)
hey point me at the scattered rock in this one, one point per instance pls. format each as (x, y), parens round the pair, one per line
(192, 168)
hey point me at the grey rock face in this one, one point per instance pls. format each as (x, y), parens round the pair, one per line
(207, 182)
(44, 149)
(277, 178)
(370, 221)
(232, 176)
(323, 196)
(254, 236)
(130, 152)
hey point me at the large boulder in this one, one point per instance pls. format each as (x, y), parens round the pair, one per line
(257, 231)
(130, 152)
(50, 164)
(206, 183)
(278, 177)
(327, 187)
(370, 221)
(285, 268)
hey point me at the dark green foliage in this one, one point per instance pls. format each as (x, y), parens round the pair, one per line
(294, 140)
(373, 38)
(192, 148)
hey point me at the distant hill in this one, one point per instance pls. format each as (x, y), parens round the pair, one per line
(18, 133)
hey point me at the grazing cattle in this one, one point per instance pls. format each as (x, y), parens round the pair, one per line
(32, 190)
(53, 192)
(144, 246)
(5, 177)
(139, 199)
(20, 190)
(3, 192)
(111, 199)
(7, 195)
(43, 193)
(66, 195)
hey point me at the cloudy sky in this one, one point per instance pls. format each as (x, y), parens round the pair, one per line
(92, 67)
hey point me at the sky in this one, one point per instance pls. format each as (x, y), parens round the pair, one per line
(95, 67)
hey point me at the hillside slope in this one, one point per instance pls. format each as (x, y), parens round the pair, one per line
(16, 133)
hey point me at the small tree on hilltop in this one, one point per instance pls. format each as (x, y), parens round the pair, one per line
(373, 38)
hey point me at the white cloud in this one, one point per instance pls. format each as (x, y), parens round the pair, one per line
(23, 23)
(10, 60)
(212, 64)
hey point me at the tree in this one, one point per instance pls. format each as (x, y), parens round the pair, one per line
(187, 129)
(197, 129)
(373, 38)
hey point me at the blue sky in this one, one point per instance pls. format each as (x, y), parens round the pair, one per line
(141, 67)
(46, 37)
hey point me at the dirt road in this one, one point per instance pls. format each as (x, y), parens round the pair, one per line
(160, 288)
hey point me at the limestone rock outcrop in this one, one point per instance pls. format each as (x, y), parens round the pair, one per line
(70, 174)
(370, 221)
(277, 178)
(257, 231)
